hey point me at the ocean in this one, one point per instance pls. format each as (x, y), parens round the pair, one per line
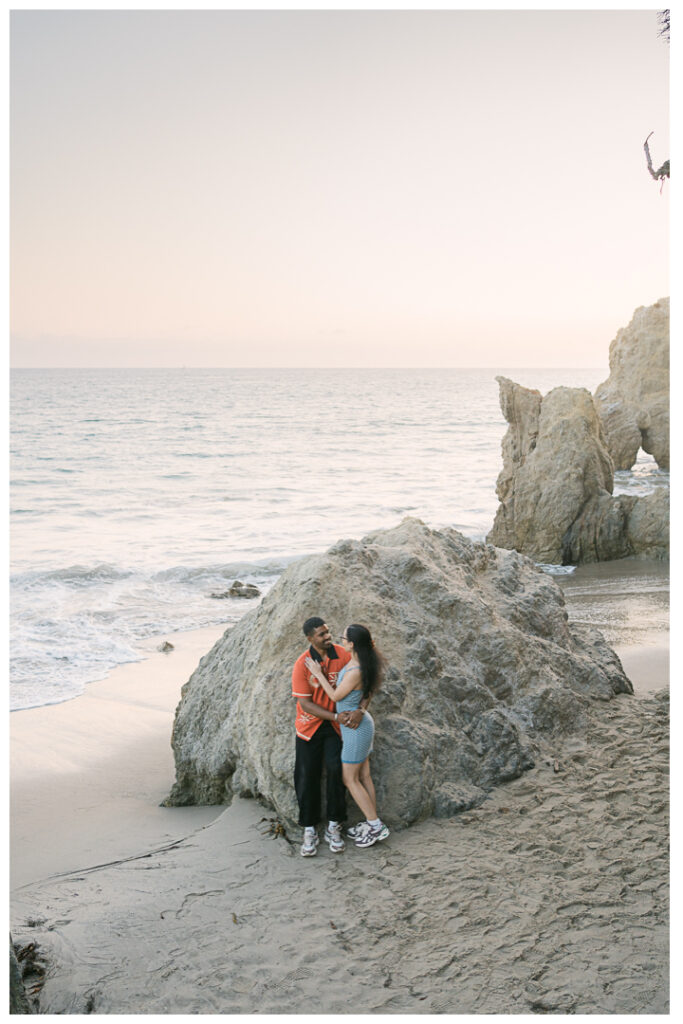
(137, 495)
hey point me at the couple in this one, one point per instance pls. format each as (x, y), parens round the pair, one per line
(333, 686)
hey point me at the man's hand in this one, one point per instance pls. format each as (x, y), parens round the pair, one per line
(351, 719)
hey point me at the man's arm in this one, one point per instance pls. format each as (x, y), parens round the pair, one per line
(352, 719)
(311, 708)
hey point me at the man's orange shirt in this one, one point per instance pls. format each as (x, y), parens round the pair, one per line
(306, 724)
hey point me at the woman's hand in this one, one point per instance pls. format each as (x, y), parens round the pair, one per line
(315, 670)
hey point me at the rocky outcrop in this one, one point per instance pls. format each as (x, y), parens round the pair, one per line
(483, 671)
(633, 403)
(555, 488)
(619, 527)
(239, 589)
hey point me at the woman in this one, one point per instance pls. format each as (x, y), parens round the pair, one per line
(357, 680)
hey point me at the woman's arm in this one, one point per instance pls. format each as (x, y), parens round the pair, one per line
(319, 678)
(349, 682)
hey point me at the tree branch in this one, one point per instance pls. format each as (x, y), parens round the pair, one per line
(663, 171)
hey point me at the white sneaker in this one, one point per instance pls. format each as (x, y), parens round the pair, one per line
(371, 835)
(357, 830)
(333, 836)
(309, 847)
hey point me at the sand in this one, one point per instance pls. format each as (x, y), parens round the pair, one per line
(550, 898)
(89, 774)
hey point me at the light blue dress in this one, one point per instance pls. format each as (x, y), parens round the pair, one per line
(356, 743)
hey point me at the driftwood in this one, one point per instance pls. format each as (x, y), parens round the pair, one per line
(663, 171)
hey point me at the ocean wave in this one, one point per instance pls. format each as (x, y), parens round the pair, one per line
(56, 652)
(72, 626)
(556, 570)
(640, 481)
(39, 681)
(73, 575)
(77, 576)
(263, 570)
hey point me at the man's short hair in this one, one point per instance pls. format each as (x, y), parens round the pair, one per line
(310, 625)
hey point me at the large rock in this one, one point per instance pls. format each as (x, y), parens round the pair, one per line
(554, 462)
(633, 403)
(555, 488)
(484, 670)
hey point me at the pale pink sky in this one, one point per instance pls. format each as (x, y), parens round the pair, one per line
(334, 188)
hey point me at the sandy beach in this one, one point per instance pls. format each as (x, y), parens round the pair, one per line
(550, 898)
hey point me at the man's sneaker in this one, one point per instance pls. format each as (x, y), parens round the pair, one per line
(309, 847)
(369, 836)
(333, 836)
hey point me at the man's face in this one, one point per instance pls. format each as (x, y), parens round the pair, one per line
(320, 638)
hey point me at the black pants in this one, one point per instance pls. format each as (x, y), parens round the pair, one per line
(324, 747)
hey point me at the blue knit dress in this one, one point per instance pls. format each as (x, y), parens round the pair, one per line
(356, 743)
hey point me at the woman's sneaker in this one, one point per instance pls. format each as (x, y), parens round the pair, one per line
(357, 830)
(333, 836)
(309, 847)
(369, 836)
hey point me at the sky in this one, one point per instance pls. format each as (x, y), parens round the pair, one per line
(334, 188)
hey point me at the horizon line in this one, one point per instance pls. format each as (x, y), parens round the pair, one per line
(327, 369)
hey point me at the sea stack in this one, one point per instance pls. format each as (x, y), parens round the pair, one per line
(555, 462)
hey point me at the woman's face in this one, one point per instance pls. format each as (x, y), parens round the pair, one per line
(345, 642)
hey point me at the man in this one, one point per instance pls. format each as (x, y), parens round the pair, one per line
(318, 739)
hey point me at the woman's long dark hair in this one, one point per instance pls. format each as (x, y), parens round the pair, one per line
(371, 661)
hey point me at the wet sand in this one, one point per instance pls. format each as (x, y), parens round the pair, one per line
(89, 774)
(550, 898)
(627, 600)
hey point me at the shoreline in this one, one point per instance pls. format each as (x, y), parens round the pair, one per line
(628, 601)
(90, 772)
